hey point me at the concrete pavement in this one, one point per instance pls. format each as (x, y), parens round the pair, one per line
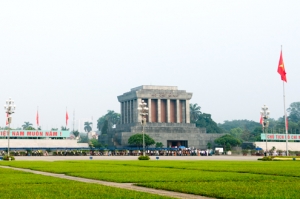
(195, 158)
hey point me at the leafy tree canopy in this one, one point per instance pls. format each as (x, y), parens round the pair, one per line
(112, 119)
(137, 140)
(227, 141)
(75, 133)
(87, 127)
(205, 121)
(242, 124)
(94, 143)
(159, 145)
(294, 112)
(194, 112)
(27, 126)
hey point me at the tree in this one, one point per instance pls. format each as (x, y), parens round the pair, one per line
(137, 140)
(54, 129)
(294, 112)
(76, 133)
(64, 128)
(104, 129)
(27, 125)
(205, 121)
(242, 124)
(236, 132)
(194, 112)
(87, 127)
(227, 141)
(94, 142)
(83, 138)
(159, 145)
(112, 119)
(208, 145)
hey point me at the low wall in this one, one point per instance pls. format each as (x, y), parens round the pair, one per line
(292, 146)
(41, 143)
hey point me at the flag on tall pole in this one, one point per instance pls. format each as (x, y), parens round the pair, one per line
(67, 118)
(282, 73)
(281, 69)
(261, 120)
(6, 122)
(37, 118)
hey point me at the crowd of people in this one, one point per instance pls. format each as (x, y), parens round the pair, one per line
(107, 152)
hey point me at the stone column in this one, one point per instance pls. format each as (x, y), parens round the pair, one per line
(177, 111)
(134, 110)
(130, 113)
(125, 112)
(149, 110)
(139, 100)
(121, 107)
(168, 111)
(187, 111)
(158, 111)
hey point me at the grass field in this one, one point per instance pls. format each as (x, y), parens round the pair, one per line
(17, 184)
(219, 179)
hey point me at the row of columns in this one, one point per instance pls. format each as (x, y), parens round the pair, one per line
(130, 114)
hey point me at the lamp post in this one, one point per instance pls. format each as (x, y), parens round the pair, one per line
(265, 124)
(9, 109)
(143, 109)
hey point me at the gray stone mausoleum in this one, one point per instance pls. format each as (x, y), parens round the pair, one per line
(168, 119)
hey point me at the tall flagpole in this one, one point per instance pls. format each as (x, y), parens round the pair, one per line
(285, 118)
(283, 78)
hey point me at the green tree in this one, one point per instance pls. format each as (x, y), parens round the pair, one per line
(159, 145)
(83, 138)
(104, 129)
(294, 112)
(205, 121)
(76, 133)
(137, 140)
(54, 129)
(27, 126)
(236, 132)
(194, 112)
(64, 128)
(242, 124)
(87, 127)
(94, 142)
(112, 119)
(227, 140)
(208, 145)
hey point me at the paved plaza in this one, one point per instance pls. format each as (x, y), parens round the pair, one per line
(196, 158)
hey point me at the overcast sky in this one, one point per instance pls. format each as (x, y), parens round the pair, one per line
(83, 54)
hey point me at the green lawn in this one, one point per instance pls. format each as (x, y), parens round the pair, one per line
(17, 184)
(219, 179)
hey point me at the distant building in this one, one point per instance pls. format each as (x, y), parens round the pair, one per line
(168, 120)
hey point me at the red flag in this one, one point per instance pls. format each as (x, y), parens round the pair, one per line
(67, 117)
(6, 122)
(281, 69)
(37, 118)
(261, 120)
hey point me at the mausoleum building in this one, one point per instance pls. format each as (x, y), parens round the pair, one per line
(168, 119)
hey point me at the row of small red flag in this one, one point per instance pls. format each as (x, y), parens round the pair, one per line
(37, 118)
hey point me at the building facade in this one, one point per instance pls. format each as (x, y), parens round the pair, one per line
(168, 119)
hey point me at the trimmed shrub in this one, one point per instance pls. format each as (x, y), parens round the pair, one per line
(267, 158)
(6, 157)
(141, 157)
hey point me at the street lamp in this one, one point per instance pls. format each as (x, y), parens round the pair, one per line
(143, 109)
(265, 124)
(9, 109)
